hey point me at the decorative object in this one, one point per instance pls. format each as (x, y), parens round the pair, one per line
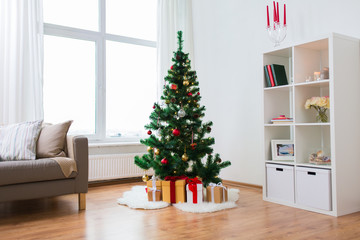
(145, 178)
(173, 189)
(176, 132)
(136, 198)
(319, 158)
(282, 150)
(216, 193)
(324, 73)
(277, 32)
(282, 120)
(320, 104)
(153, 189)
(194, 190)
(316, 76)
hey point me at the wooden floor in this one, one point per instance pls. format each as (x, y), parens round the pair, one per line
(58, 218)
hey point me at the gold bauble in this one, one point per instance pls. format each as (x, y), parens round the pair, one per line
(157, 151)
(145, 178)
(185, 157)
(167, 101)
(149, 149)
(189, 101)
(185, 82)
(198, 106)
(174, 172)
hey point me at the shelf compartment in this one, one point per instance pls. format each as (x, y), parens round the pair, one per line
(309, 58)
(311, 139)
(280, 182)
(304, 92)
(277, 102)
(280, 132)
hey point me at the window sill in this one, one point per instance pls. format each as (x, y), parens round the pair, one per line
(113, 144)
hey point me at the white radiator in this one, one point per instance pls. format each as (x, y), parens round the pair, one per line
(113, 166)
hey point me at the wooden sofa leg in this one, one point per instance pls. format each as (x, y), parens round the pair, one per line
(82, 201)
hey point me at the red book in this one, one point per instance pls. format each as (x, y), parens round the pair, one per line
(271, 75)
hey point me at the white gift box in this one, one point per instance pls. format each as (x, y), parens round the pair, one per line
(189, 194)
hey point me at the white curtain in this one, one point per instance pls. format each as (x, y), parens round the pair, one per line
(173, 16)
(21, 61)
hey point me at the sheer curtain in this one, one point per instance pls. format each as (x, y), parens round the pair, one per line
(21, 61)
(173, 16)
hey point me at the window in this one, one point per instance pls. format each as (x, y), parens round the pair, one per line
(100, 66)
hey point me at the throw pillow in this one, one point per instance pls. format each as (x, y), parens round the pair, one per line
(52, 139)
(18, 141)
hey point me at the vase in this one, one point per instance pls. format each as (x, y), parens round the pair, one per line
(321, 116)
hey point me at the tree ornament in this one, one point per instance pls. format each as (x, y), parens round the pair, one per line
(189, 94)
(187, 60)
(198, 93)
(164, 161)
(198, 106)
(208, 129)
(149, 132)
(181, 113)
(196, 115)
(157, 151)
(173, 100)
(145, 178)
(167, 101)
(149, 149)
(193, 146)
(177, 57)
(219, 160)
(176, 132)
(186, 83)
(173, 86)
(154, 107)
(172, 67)
(184, 157)
(189, 101)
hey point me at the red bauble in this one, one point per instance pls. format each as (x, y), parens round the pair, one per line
(154, 107)
(172, 66)
(176, 132)
(164, 161)
(173, 86)
(189, 94)
(198, 93)
(193, 146)
(149, 132)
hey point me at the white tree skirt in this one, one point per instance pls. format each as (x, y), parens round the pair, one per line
(137, 198)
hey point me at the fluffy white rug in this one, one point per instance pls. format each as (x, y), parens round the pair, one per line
(137, 198)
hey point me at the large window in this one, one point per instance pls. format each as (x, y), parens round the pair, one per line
(100, 66)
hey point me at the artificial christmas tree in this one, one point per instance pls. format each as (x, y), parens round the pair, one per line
(177, 141)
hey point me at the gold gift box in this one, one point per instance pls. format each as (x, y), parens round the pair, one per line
(220, 194)
(180, 195)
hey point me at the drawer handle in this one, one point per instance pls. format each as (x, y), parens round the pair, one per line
(279, 169)
(312, 173)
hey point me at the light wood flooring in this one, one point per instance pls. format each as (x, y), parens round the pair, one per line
(253, 218)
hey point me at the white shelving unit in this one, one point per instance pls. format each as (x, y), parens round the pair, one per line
(339, 138)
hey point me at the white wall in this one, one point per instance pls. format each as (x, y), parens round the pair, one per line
(229, 38)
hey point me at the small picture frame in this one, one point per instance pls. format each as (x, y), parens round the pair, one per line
(282, 150)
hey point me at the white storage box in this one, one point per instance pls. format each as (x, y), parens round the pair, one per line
(280, 182)
(313, 187)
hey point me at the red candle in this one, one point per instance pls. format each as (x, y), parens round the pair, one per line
(284, 14)
(274, 12)
(277, 12)
(268, 20)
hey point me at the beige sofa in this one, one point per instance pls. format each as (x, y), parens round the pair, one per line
(20, 180)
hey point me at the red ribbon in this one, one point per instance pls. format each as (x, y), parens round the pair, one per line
(192, 182)
(172, 180)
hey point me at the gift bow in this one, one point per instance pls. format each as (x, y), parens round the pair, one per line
(172, 180)
(153, 188)
(192, 182)
(213, 185)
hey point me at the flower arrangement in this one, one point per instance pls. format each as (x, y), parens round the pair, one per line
(320, 104)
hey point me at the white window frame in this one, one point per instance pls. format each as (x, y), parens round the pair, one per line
(99, 38)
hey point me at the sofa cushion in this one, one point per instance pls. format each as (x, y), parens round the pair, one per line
(51, 142)
(18, 141)
(13, 172)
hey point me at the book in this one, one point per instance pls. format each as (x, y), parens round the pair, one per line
(279, 74)
(270, 75)
(268, 83)
(282, 120)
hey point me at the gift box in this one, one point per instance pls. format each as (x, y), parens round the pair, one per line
(173, 190)
(194, 190)
(216, 193)
(154, 193)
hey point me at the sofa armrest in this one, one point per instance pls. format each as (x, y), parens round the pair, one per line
(78, 149)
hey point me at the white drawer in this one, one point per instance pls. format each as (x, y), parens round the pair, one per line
(280, 182)
(313, 187)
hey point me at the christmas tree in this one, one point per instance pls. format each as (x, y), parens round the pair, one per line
(177, 141)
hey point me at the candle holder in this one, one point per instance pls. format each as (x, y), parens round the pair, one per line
(277, 33)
